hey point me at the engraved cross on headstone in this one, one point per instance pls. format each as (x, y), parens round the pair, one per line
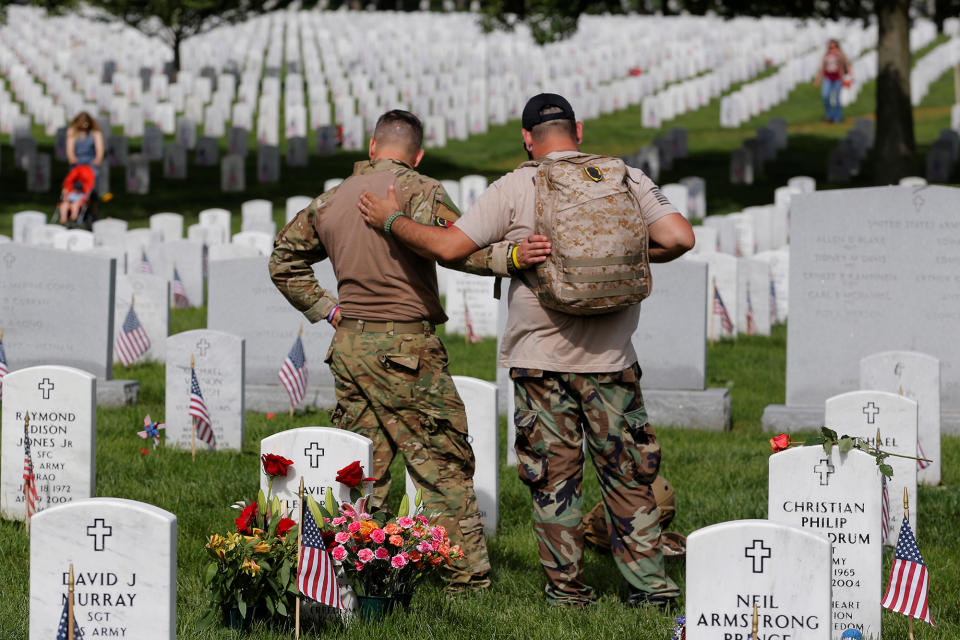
(9, 259)
(314, 452)
(99, 531)
(871, 411)
(202, 347)
(45, 387)
(758, 554)
(824, 469)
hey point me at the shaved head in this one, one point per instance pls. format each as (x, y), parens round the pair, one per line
(400, 130)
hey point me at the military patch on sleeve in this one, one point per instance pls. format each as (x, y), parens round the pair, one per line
(593, 173)
(442, 222)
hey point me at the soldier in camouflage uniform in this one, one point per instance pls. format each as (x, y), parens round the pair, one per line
(574, 376)
(390, 369)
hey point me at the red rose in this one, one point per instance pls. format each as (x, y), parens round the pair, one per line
(285, 525)
(246, 518)
(351, 475)
(274, 465)
(329, 538)
(779, 443)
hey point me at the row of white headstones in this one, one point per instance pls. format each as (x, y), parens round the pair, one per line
(813, 567)
(461, 95)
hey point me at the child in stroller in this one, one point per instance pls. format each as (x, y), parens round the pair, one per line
(77, 195)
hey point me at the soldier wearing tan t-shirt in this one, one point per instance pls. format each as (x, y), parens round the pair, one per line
(389, 368)
(575, 377)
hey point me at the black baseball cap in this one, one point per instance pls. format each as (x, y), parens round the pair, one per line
(531, 112)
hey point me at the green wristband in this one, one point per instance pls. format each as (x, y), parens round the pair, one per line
(389, 222)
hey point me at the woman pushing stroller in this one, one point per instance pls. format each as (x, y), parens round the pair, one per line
(84, 153)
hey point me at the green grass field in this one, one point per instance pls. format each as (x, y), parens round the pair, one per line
(717, 476)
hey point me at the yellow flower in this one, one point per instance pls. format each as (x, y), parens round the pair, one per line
(250, 567)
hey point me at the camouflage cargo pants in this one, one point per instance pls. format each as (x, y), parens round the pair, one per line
(397, 391)
(553, 413)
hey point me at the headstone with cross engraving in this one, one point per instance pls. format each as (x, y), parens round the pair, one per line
(219, 365)
(124, 557)
(62, 405)
(244, 301)
(844, 277)
(317, 454)
(149, 295)
(51, 315)
(470, 298)
(916, 376)
(480, 403)
(784, 570)
(862, 414)
(837, 496)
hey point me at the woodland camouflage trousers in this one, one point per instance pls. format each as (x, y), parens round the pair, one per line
(553, 413)
(397, 391)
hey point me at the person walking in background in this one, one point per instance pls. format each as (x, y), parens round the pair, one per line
(830, 80)
(85, 142)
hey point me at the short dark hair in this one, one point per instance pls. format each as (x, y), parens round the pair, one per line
(400, 128)
(559, 126)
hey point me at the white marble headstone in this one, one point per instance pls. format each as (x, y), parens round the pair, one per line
(480, 403)
(916, 376)
(232, 173)
(149, 294)
(837, 496)
(124, 556)
(784, 570)
(295, 204)
(476, 292)
(170, 225)
(63, 424)
(317, 454)
(862, 414)
(219, 365)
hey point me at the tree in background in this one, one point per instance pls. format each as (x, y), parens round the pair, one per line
(895, 149)
(175, 20)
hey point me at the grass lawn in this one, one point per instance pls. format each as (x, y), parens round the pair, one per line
(718, 476)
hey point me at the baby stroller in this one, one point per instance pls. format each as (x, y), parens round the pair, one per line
(77, 206)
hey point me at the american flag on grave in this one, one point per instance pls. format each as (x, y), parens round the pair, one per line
(198, 411)
(773, 303)
(720, 310)
(62, 628)
(180, 299)
(907, 591)
(751, 324)
(3, 364)
(145, 266)
(921, 464)
(316, 577)
(468, 324)
(293, 373)
(132, 341)
(30, 497)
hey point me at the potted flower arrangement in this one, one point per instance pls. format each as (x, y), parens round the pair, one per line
(253, 570)
(383, 556)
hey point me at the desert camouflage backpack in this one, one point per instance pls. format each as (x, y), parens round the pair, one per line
(600, 262)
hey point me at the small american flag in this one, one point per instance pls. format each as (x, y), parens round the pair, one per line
(316, 578)
(3, 367)
(133, 341)
(144, 262)
(751, 324)
(907, 590)
(773, 303)
(29, 480)
(921, 464)
(720, 310)
(293, 373)
(62, 629)
(884, 510)
(198, 410)
(471, 335)
(180, 299)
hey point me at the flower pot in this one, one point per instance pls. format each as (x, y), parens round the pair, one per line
(403, 599)
(374, 608)
(232, 618)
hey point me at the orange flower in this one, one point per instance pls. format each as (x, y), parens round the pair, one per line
(415, 556)
(435, 560)
(396, 541)
(366, 526)
(779, 443)
(392, 529)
